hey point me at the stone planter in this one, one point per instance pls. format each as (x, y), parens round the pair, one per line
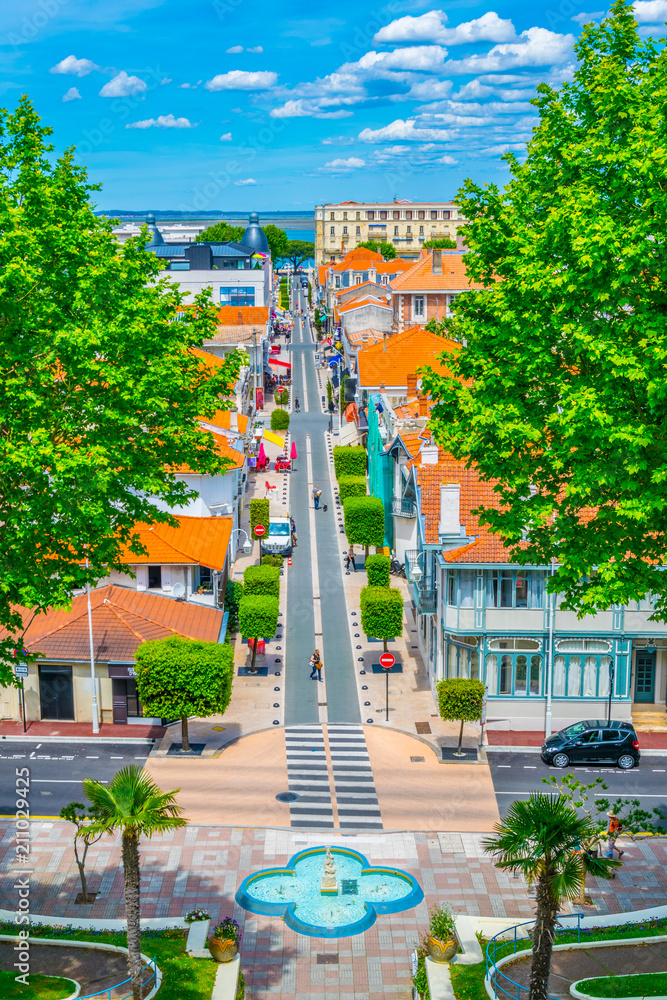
(223, 949)
(442, 951)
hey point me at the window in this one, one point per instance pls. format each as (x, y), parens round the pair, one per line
(421, 215)
(583, 645)
(180, 265)
(592, 736)
(434, 215)
(421, 230)
(610, 735)
(332, 231)
(358, 231)
(155, 578)
(446, 215)
(515, 589)
(344, 230)
(514, 644)
(520, 674)
(571, 681)
(383, 215)
(358, 215)
(332, 216)
(451, 589)
(237, 296)
(395, 230)
(345, 215)
(370, 215)
(409, 229)
(418, 306)
(408, 215)
(467, 588)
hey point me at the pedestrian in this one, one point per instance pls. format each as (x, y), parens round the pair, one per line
(297, 404)
(316, 666)
(331, 407)
(350, 559)
(317, 493)
(613, 833)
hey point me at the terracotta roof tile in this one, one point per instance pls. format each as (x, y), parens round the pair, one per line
(201, 541)
(122, 620)
(224, 448)
(420, 276)
(366, 301)
(367, 285)
(223, 420)
(405, 353)
(242, 315)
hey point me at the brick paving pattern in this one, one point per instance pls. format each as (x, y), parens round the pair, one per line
(203, 866)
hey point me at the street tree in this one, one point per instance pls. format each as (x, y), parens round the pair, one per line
(85, 835)
(388, 250)
(364, 521)
(178, 677)
(298, 251)
(277, 240)
(559, 394)
(540, 839)
(101, 392)
(134, 805)
(460, 699)
(369, 245)
(258, 619)
(382, 613)
(444, 243)
(261, 580)
(221, 232)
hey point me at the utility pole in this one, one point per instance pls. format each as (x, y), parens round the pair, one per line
(93, 679)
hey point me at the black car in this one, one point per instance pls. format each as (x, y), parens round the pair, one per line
(593, 742)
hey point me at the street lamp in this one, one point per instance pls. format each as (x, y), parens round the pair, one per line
(416, 573)
(247, 545)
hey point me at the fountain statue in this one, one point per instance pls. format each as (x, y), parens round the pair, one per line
(329, 882)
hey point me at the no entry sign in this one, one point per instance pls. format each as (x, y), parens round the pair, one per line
(259, 530)
(387, 660)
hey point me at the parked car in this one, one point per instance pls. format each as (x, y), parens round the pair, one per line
(279, 539)
(593, 742)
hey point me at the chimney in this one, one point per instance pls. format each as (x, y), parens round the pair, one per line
(364, 338)
(429, 454)
(233, 421)
(450, 509)
(423, 405)
(411, 383)
(437, 262)
(384, 343)
(240, 318)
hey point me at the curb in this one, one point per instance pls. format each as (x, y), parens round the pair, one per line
(495, 748)
(82, 739)
(588, 996)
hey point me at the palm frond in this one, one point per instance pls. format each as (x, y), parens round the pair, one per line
(132, 800)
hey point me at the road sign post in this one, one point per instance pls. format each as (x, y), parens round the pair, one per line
(259, 530)
(21, 670)
(387, 661)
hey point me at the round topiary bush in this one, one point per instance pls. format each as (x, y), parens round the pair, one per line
(279, 420)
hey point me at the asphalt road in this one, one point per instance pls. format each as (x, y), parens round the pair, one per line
(515, 775)
(56, 770)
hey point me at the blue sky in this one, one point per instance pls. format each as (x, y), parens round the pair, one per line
(227, 104)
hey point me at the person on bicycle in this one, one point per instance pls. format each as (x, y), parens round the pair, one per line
(297, 405)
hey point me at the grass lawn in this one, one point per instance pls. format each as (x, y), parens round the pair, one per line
(649, 984)
(40, 988)
(183, 978)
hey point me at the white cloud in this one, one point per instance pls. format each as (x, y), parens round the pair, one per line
(227, 137)
(71, 66)
(584, 18)
(238, 79)
(165, 81)
(306, 109)
(507, 147)
(417, 57)
(431, 89)
(651, 11)
(449, 161)
(448, 108)
(477, 89)
(338, 140)
(256, 49)
(352, 163)
(403, 130)
(163, 121)
(536, 47)
(72, 95)
(430, 27)
(123, 85)
(249, 181)
(234, 50)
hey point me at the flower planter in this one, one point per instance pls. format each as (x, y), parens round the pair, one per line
(442, 951)
(223, 949)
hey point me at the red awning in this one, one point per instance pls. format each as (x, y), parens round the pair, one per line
(284, 364)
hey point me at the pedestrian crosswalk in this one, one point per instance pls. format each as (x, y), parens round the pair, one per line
(308, 777)
(356, 796)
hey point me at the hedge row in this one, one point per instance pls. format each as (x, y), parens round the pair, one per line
(233, 595)
(279, 420)
(259, 514)
(377, 569)
(351, 486)
(262, 580)
(382, 612)
(349, 461)
(364, 520)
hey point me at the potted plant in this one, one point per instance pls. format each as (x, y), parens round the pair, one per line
(195, 915)
(442, 942)
(225, 941)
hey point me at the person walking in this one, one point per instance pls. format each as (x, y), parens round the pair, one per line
(317, 493)
(297, 404)
(316, 666)
(613, 833)
(350, 559)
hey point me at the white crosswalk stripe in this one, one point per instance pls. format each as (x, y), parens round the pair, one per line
(356, 796)
(308, 777)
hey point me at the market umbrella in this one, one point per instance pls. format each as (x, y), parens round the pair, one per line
(292, 453)
(261, 454)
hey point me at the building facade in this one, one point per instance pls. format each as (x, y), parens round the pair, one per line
(341, 226)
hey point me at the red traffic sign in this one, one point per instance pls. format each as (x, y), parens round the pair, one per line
(387, 660)
(259, 530)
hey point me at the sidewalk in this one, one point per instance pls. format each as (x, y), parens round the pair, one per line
(79, 730)
(531, 738)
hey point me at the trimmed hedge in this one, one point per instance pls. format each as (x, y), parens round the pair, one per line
(377, 568)
(349, 461)
(258, 616)
(279, 420)
(382, 612)
(351, 486)
(460, 699)
(259, 514)
(281, 396)
(233, 595)
(262, 580)
(364, 520)
(272, 560)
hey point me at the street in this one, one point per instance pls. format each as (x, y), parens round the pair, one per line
(57, 770)
(515, 775)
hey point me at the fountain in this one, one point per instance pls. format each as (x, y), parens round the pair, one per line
(329, 892)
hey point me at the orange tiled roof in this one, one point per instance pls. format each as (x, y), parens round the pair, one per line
(393, 266)
(405, 353)
(366, 301)
(413, 441)
(242, 315)
(197, 541)
(411, 409)
(322, 273)
(373, 337)
(223, 419)
(122, 620)
(382, 289)
(420, 277)
(224, 448)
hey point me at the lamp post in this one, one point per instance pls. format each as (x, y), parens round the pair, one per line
(93, 679)
(247, 545)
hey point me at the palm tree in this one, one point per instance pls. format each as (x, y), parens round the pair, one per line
(542, 840)
(133, 804)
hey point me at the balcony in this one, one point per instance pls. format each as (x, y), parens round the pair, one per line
(426, 601)
(403, 508)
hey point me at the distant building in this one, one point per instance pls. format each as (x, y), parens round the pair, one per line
(341, 226)
(429, 287)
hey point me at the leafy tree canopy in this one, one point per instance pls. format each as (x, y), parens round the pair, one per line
(298, 251)
(277, 240)
(560, 393)
(100, 390)
(388, 250)
(178, 676)
(221, 232)
(369, 245)
(444, 243)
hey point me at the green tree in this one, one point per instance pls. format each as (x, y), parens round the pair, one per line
(260, 512)
(178, 677)
(442, 327)
(298, 251)
(444, 243)
(540, 839)
(101, 392)
(310, 293)
(277, 240)
(369, 245)
(258, 619)
(221, 232)
(279, 420)
(364, 521)
(134, 805)
(382, 613)
(85, 835)
(559, 394)
(281, 396)
(262, 580)
(349, 460)
(233, 595)
(460, 699)
(377, 570)
(388, 250)
(352, 486)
